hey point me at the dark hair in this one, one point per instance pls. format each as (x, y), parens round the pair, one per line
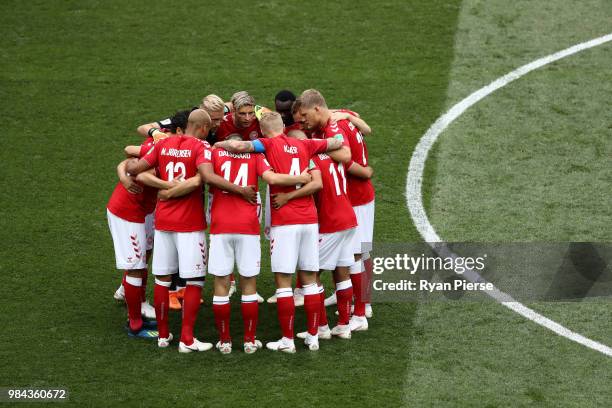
(284, 96)
(179, 120)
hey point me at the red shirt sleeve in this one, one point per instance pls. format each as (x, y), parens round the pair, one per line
(151, 156)
(315, 146)
(262, 164)
(203, 154)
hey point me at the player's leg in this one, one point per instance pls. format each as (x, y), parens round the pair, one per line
(248, 259)
(175, 298)
(308, 264)
(284, 257)
(146, 309)
(165, 264)
(344, 285)
(128, 239)
(191, 248)
(365, 219)
(220, 265)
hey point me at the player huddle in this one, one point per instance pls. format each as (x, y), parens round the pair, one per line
(319, 217)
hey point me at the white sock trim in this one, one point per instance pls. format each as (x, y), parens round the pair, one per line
(196, 283)
(344, 285)
(284, 292)
(133, 281)
(163, 283)
(220, 300)
(249, 298)
(365, 256)
(311, 289)
(321, 289)
(357, 267)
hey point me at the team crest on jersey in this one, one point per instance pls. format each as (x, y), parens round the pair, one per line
(253, 135)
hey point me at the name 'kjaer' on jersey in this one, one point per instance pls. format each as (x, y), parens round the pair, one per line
(291, 156)
(179, 157)
(230, 213)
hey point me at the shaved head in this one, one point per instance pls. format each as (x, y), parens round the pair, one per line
(198, 123)
(199, 117)
(297, 134)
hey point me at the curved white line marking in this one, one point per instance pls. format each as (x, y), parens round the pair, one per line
(414, 182)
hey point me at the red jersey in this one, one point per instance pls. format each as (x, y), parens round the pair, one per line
(174, 157)
(360, 190)
(133, 207)
(292, 156)
(333, 204)
(227, 127)
(230, 213)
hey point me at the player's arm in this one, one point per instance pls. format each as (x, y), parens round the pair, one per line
(357, 170)
(182, 188)
(236, 146)
(132, 151)
(148, 178)
(208, 176)
(151, 130)
(137, 166)
(316, 184)
(128, 181)
(338, 151)
(277, 179)
(359, 123)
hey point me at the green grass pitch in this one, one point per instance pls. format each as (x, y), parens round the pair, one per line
(531, 162)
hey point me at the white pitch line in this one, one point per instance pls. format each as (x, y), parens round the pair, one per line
(414, 181)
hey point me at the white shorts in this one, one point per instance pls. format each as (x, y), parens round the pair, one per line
(294, 246)
(365, 228)
(150, 229)
(182, 252)
(225, 248)
(336, 249)
(129, 240)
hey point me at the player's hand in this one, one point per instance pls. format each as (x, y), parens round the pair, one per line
(249, 194)
(164, 195)
(279, 199)
(336, 116)
(131, 185)
(158, 135)
(305, 177)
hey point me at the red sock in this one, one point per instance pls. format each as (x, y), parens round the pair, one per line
(191, 305)
(344, 298)
(143, 288)
(222, 310)
(312, 307)
(250, 311)
(323, 313)
(285, 308)
(367, 282)
(357, 280)
(160, 298)
(132, 298)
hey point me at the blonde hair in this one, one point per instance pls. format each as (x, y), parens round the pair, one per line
(311, 98)
(212, 103)
(242, 98)
(271, 122)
